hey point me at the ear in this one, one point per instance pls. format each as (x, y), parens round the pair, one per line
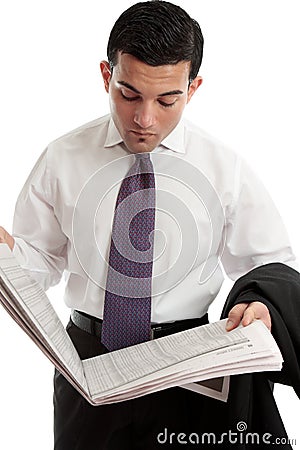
(106, 73)
(193, 87)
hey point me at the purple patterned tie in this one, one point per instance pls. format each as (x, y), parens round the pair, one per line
(127, 306)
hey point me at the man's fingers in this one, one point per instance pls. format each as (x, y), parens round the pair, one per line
(246, 313)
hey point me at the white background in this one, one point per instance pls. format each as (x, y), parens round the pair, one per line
(50, 83)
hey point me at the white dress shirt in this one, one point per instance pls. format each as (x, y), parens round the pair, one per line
(213, 215)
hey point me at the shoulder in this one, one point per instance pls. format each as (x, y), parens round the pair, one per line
(69, 160)
(216, 160)
(89, 134)
(200, 141)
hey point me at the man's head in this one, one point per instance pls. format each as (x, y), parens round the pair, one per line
(157, 33)
(154, 55)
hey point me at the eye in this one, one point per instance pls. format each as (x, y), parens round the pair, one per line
(129, 99)
(166, 105)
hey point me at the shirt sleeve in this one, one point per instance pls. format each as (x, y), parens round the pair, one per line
(40, 244)
(254, 232)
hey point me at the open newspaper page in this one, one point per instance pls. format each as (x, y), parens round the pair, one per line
(193, 355)
(180, 359)
(30, 307)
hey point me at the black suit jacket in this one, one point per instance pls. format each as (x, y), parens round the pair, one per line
(251, 405)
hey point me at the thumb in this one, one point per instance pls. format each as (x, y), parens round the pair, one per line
(6, 238)
(235, 316)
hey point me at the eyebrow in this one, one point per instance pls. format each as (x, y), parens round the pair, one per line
(164, 94)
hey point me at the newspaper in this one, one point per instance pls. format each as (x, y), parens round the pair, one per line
(184, 359)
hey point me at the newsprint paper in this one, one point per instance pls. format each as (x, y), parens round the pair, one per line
(201, 359)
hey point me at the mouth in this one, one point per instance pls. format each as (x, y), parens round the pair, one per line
(142, 134)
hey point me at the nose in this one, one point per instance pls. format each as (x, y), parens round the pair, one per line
(144, 116)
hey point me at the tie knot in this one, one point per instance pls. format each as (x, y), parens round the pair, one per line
(142, 155)
(143, 162)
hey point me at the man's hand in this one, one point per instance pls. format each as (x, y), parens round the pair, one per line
(6, 238)
(246, 313)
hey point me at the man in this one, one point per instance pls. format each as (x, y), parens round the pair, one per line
(154, 56)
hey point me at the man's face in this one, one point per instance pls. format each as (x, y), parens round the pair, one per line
(147, 102)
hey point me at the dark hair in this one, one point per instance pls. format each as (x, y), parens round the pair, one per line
(157, 33)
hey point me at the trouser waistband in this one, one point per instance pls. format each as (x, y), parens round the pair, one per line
(93, 325)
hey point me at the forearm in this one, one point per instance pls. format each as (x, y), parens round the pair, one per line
(43, 266)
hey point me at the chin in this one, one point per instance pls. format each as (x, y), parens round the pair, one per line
(140, 147)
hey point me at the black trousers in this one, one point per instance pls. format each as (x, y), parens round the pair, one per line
(144, 423)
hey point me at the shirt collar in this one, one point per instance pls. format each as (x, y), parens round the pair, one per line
(174, 141)
(113, 137)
